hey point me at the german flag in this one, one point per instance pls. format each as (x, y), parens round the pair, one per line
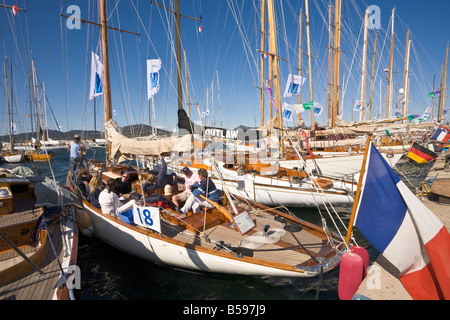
(421, 154)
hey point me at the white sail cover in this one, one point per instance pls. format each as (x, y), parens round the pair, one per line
(128, 148)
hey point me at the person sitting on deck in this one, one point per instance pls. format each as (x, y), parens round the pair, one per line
(190, 179)
(109, 201)
(94, 189)
(160, 181)
(206, 188)
(123, 184)
(82, 181)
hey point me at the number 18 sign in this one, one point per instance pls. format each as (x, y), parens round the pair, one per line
(147, 217)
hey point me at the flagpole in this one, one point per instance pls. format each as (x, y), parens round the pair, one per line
(358, 191)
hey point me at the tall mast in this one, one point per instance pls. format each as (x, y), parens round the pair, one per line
(7, 103)
(300, 53)
(309, 61)
(187, 88)
(273, 49)
(263, 38)
(178, 42)
(330, 116)
(373, 71)
(106, 84)
(362, 115)
(388, 108)
(443, 88)
(337, 60)
(405, 80)
(274, 53)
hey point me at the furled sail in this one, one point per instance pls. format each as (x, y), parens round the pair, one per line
(129, 148)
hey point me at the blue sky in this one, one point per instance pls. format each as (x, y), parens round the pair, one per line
(227, 48)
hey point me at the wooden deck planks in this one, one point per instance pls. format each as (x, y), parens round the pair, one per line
(32, 286)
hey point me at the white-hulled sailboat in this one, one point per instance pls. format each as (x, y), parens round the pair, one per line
(235, 236)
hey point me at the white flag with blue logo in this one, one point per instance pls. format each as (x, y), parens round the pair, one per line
(293, 85)
(97, 76)
(153, 67)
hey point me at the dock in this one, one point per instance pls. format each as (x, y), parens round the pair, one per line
(382, 282)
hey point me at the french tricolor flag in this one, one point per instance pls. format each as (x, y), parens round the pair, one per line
(404, 231)
(441, 135)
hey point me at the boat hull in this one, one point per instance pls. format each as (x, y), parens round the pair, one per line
(41, 156)
(155, 248)
(14, 158)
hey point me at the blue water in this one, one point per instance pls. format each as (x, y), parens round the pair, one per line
(109, 274)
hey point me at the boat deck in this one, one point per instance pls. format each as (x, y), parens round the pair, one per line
(296, 246)
(33, 286)
(30, 285)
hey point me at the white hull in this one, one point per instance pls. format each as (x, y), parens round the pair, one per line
(150, 246)
(338, 165)
(16, 158)
(273, 191)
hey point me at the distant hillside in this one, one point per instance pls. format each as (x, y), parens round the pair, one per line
(129, 131)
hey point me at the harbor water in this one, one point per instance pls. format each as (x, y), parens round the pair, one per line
(109, 274)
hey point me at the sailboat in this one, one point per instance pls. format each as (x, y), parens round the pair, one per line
(36, 153)
(235, 236)
(10, 156)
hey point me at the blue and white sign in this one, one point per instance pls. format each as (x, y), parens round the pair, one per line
(147, 217)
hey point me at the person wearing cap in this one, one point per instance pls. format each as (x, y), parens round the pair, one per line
(190, 179)
(75, 153)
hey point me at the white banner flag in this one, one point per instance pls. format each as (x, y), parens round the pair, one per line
(288, 112)
(293, 85)
(358, 105)
(153, 67)
(318, 109)
(97, 76)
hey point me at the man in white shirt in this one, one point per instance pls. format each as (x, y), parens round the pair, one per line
(109, 201)
(190, 179)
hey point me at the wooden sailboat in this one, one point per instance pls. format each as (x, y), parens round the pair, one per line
(10, 156)
(36, 153)
(38, 240)
(235, 236)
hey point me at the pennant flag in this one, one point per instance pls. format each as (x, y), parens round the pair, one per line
(412, 116)
(358, 106)
(420, 154)
(431, 95)
(293, 85)
(437, 93)
(440, 135)
(318, 109)
(97, 76)
(404, 231)
(15, 9)
(269, 91)
(303, 107)
(288, 112)
(200, 29)
(153, 67)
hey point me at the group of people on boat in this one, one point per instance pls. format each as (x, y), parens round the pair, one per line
(114, 197)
